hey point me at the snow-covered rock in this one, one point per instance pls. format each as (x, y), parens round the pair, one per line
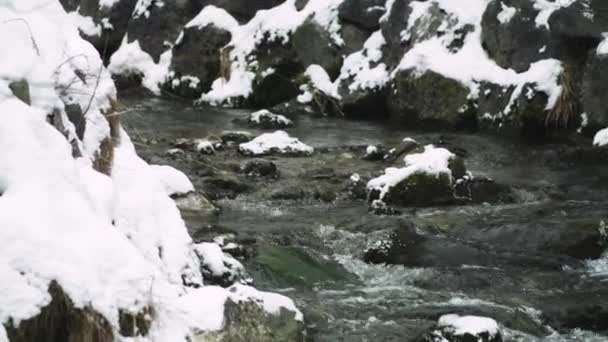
(457, 328)
(601, 138)
(278, 142)
(268, 120)
(220, 268)
(427, 178)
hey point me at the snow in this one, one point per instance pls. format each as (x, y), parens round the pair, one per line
(265, 115)
(470, 65)
(218, 263)
(546, 8)
(131, 59)
(204, 146)
(211, 15)
(473, 325)
(277, 142)
(602, 48)
(174, 181)
(433, 161)
(601, 138)
(506, 14)
(362, 68)
(85, 24)
(320, 81)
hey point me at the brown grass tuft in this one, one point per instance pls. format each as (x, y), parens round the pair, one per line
(566, 110)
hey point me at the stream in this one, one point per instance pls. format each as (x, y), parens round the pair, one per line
(305, 238)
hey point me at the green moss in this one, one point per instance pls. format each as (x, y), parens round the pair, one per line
(287, 266)
(432, 99)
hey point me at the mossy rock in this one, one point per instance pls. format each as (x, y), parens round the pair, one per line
(429, 98)
(421, 189)
(281, 266)
(248, 321)
(21, 90)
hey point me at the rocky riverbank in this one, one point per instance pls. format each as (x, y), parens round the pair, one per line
(304, 225)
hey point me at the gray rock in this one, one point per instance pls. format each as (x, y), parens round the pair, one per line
(362, 13)
(196, 61)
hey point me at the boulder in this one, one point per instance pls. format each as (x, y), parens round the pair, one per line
(157, 26)
(314, 45)
(353, 37)
(362, 13)
(248, 317)
(595, 92)
(582, 20)
(266, 119)
(511, 36)
(392, 26)
(430, 98)
(196, 61)
(482, 190)
(112, 23)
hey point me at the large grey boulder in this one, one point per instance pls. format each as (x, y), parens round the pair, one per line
(196, 61)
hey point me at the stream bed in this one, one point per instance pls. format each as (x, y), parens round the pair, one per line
(302, 235)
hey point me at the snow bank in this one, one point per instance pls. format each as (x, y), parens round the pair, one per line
(472, 325)
(601, 138)
(433, 161)
(278, 142)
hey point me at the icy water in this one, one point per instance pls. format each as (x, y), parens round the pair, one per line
(310, 247)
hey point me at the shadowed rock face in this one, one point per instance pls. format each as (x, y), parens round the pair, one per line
(243, 10)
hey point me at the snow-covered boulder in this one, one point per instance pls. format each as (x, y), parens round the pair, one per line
(247, 314)
(455, 328)
(426, 179)
(197, 54)
(268, 120)
(220, 268)
(101, 22)
(278, 142)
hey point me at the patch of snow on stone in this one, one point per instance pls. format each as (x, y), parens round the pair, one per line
(364, 67)
(321, 81)
(602, 48)
(506, 14)
(473, 325)
(546, 8)
(601, 138)
(277, 142)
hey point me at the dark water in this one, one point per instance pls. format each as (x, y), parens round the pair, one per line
(354, 301)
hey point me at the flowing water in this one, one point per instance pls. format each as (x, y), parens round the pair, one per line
(311, 250)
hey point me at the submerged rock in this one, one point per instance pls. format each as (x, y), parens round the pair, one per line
(260, 168)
